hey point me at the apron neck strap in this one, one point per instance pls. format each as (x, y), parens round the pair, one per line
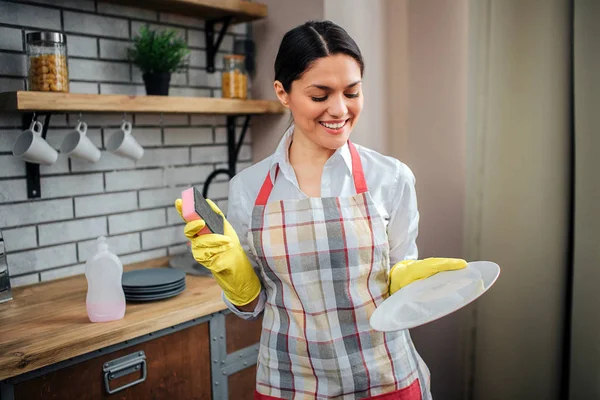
(265, 190)
(360, 183)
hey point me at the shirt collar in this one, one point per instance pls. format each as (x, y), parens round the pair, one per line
(281, 155)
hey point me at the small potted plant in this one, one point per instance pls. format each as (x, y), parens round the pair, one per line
(158, 54)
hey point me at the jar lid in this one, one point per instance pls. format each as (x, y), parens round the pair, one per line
(55, 37)
(238, 57)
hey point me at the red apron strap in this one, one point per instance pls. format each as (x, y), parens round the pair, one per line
(360, 183)
(265, 190)
(358, 174)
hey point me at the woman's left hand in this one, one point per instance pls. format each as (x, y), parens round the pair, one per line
(408, 271)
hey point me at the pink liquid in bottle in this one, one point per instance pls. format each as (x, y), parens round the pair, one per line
(103, 312)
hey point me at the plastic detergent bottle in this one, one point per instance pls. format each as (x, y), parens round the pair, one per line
(105, 298)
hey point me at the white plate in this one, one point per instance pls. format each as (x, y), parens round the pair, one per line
(429, 299)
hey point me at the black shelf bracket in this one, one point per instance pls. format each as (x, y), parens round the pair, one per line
(32, 170)
(233, 152)
(212, 45)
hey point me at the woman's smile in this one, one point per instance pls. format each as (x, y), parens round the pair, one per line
(335, 127)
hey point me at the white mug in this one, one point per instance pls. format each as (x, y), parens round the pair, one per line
(124, 144)
(31, 147)
(77, 144)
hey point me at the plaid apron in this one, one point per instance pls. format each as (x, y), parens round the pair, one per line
(324, 265)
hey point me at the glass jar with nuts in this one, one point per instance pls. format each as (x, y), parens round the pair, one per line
(47, 62)
(234, 82)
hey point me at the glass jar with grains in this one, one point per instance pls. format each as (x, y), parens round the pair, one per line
(234, 82)
(47, 62)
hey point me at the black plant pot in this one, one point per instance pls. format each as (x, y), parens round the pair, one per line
(157, 83)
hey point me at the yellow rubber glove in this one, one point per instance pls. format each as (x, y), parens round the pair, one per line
(224, 256)
(408, 271)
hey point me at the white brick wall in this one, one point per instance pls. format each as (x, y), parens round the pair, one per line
(44, 258)
(119, 244)
(179, 136)
(104, 204)
(95, 24)
(82, 46)
(129, 202)
(10, 39)
(29, 16)
(124, 11)
(136, 221)
(99, 70)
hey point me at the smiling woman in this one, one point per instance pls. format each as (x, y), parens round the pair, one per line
(314, 230)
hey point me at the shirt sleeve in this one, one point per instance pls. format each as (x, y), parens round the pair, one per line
(239, 213)
(403, 226)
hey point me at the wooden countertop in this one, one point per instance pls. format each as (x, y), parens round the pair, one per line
(47, 322)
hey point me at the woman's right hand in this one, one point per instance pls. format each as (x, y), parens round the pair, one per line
(224, 257)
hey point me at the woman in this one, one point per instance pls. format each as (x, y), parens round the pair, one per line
(312, 232)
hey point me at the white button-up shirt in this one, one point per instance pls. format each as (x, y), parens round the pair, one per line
(390, 183)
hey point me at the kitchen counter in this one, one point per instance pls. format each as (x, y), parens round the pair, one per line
(47, 323)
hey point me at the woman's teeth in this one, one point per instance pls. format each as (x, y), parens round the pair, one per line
(333, 126)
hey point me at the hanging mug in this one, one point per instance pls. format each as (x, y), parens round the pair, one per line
(31, 147)
(77, 144)
(124, 144)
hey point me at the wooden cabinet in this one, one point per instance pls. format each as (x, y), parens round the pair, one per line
(178, 367)
(241, 333)
(242, 384)
(177, 364)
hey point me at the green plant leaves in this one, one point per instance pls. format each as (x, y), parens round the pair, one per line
(159, 51)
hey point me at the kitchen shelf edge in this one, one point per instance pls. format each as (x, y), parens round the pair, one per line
(23, 101)
(240, 10)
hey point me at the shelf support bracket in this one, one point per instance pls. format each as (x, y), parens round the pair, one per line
(212, 46)
(233, 152)
(32, 170)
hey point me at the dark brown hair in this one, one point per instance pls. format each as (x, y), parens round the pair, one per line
(303, 45)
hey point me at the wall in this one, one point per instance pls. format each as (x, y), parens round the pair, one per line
(427, 94)
(267, 33)
(517, 210)
(364, 21)
(585, 326)
(131, 203)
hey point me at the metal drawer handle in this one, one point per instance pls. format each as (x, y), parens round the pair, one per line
(123, 366)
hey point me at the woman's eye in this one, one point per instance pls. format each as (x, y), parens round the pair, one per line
(319, 98)
(352, 95)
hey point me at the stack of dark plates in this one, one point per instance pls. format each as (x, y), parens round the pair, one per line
(153, 284)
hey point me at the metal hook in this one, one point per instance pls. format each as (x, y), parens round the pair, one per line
(79, 118)
(124, 117)
(34, 117)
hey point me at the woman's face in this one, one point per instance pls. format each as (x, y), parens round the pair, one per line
(326, 101)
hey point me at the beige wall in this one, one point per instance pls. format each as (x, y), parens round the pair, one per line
(518, 193)
(283, 16)
(585, 348)
(365, 22)
(427, 50)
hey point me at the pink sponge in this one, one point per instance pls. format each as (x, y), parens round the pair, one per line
(188, 208)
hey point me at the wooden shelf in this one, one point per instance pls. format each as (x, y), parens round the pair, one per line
(240, 10)
(73, 102)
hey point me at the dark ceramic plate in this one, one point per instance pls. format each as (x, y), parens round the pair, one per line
(152, 289)
(153, 297)
(151, 277)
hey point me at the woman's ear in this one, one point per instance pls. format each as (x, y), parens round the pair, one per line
(282, 95)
